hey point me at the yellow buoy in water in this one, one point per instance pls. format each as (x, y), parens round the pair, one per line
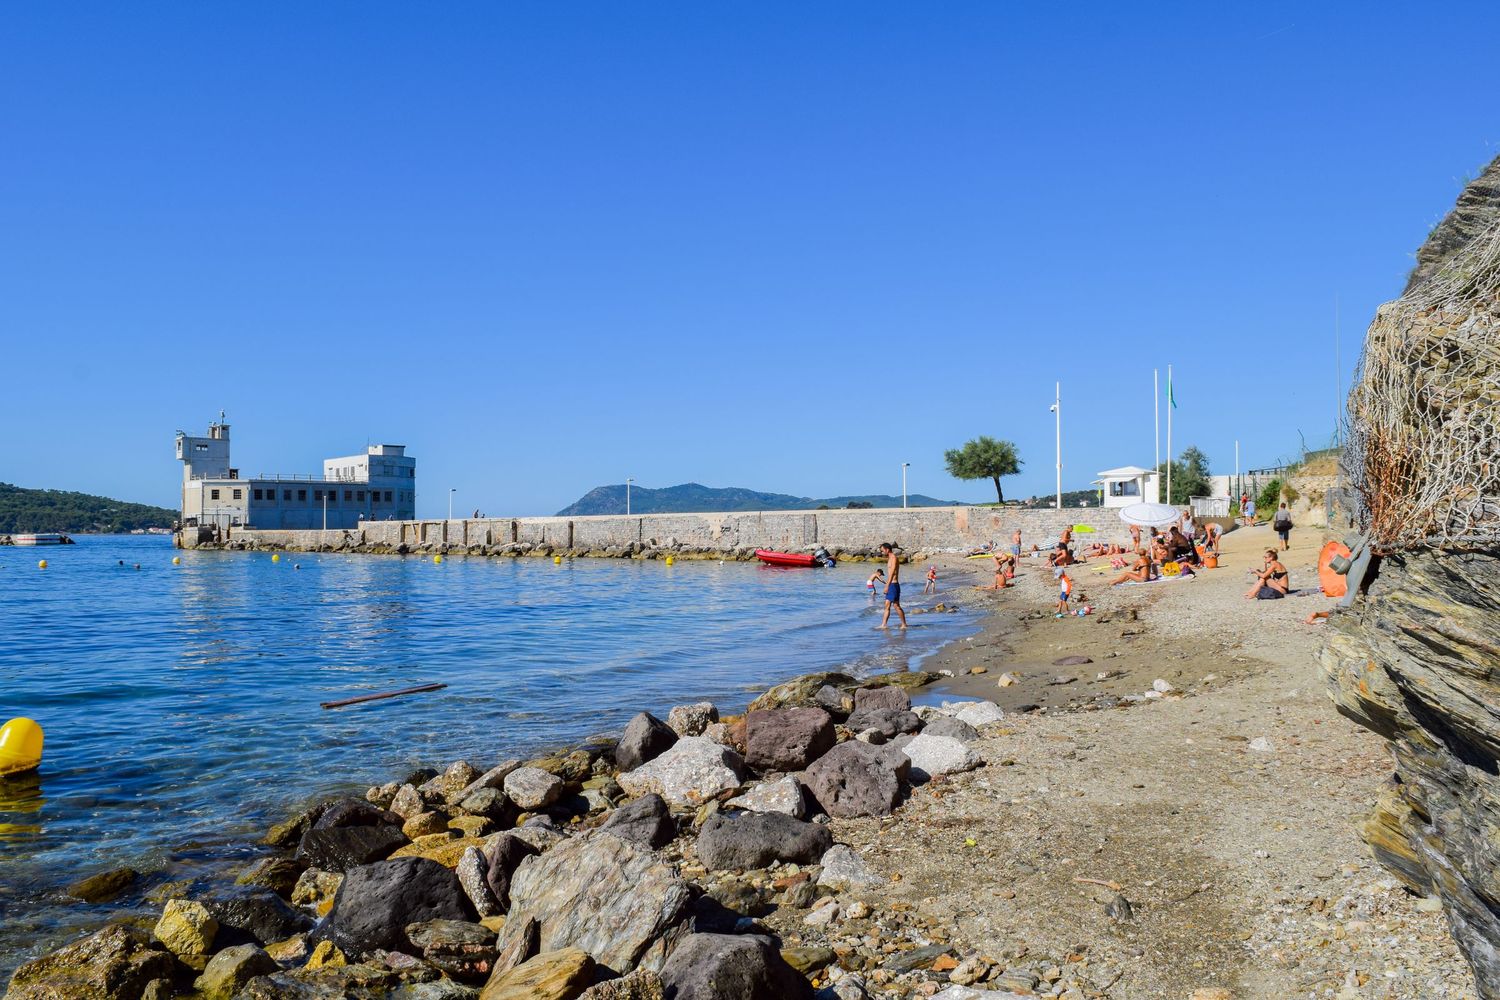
(437, 559)
(276, 557)
(20, 746)
(557, 560)
(177, 560)
(670, 560)
(41, 564)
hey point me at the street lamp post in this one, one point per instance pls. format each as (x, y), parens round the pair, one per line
(628, 481)
(451, 490)
(904, 467)
(1057, 409)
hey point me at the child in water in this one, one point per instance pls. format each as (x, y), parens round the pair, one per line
(877, 576)
(1065, 583)
(931, 587)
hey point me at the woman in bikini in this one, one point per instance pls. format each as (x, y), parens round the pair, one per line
(1139, 572)
(1271, 583)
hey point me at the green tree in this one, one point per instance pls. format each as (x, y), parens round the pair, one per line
(1189, 476)
(984, 458)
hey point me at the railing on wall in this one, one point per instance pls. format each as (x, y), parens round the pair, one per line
(1209, 506)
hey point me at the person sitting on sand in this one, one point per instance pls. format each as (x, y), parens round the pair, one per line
(1141, 571)
(931, 585)
(1061, 556)
(1272, 582)
(1180, 547)
(1005, 571)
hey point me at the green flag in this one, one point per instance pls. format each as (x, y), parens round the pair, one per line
(1170, 397)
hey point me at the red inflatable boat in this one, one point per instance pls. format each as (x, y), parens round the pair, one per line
(808, 559)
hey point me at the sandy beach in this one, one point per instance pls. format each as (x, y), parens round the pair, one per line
(1224, 812)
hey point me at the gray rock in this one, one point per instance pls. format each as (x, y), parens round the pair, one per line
(473, 875)
(856, 779)
(692, 720)
(953, 728)
(343, 847)
(541, 832)
(460, 949)
(646, 821)
(354, 812)
(408, 802)
(693, 771)
(889, 722)
(931, 756)
(800, 690)
(116, 963)
(277, 873)
(642, 984)
(787, 739)
(833, 701)
(731, 967)
(503, 854)
(253, 915)
(873, 699)
(978, 713)
(493, 778)
(531, 788)
(646, 738)
(489, 802)
(743, 841)
(617, 901)
(784, 795)
(376, 902)
(232, 968)
(843, 868)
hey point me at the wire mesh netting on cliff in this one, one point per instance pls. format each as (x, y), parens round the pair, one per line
(1424, 413)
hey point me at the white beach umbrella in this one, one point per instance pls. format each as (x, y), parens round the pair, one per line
(1150, 515)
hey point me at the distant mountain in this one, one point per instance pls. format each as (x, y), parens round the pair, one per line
(693, 498)
(23, 510)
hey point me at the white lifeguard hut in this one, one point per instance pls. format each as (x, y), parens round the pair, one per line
(1127, 485)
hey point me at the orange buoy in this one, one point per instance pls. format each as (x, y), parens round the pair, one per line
(1333, 584)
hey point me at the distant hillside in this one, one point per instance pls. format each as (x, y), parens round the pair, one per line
(1070, 498)
(693, 498)
(23, 510)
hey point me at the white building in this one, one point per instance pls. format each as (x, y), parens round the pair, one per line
(1127, 485)
(380, 485)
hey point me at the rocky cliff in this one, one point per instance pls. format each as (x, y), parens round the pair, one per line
(1417, 657)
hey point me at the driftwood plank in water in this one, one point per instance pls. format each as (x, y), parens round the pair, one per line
(384, 694)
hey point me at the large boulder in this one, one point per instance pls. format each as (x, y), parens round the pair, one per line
(947, 725)
(503, 854)
(473, 874)
(856, 779)
(755, 840)
(531, 788)
(731, 967)
(642, 984)
(692, 720)
(784, 795)
(616, 900)
(231, 969)
(800, 690)
(186, 928)
(376, 902)
(888, 722)
(931, 756)
(979, 713)
(646, 738)
(693, 771)
(354, 812)
(646, 821)
(787, 739)
(843, 868)
(115, 963)
(456, 948)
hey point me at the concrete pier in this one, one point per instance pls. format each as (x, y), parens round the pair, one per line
(851, 532)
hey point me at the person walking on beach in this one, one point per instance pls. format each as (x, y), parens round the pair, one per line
(893, 587)
(1065, 591)
(1283, 526)
(931, 587)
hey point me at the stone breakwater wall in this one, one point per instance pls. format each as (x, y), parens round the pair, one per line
(849, 532)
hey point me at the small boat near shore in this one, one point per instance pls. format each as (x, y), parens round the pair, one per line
(809, 560)
(41, 538)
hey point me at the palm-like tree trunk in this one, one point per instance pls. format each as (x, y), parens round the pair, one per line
(999, 493)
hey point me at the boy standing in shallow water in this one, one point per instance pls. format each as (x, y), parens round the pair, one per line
(893, 588)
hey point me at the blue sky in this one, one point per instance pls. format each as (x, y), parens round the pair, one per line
(786, 247)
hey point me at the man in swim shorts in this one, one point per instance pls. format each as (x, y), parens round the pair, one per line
(892, 588)
(1015, 545)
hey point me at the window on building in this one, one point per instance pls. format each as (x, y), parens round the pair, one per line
(213, 494)
(200, 447)
(258, 495)
(317, 494)
(387, 496)
(239, 494)
(360, 496)
(1128, 488)
(286, 494)
(348, 494)
(301, 494)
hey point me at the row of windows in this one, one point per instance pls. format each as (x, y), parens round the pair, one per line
(332, 496)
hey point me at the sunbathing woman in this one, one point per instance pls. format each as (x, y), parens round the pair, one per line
(1271, 583)
(1139, 572)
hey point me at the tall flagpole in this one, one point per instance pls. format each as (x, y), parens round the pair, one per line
(1057, 409)
(1169, 433)
(1156, 436)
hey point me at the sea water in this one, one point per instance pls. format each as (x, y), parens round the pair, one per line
(181, 703)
